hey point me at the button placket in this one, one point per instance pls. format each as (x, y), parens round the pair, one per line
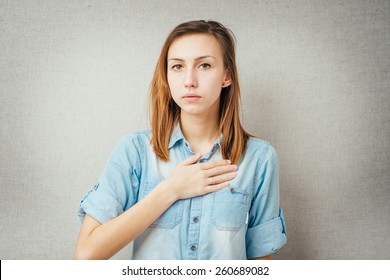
(194, 228)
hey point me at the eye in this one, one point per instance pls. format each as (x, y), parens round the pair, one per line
(177, 67)
(205, 66)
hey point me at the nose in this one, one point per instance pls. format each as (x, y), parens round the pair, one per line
(190, 79)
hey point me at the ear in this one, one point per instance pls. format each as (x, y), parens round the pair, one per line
(227, 81)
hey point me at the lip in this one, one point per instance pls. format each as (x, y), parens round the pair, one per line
(191, 97)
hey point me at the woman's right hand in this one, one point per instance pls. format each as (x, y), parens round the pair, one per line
(189, 179)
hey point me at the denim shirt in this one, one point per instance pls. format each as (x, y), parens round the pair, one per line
(243, 220)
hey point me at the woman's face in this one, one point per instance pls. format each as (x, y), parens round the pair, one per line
(196, 74)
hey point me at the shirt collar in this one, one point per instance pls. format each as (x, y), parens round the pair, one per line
(177, 135)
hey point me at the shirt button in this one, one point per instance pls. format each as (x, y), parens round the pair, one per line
(195, 220)
(193, 248)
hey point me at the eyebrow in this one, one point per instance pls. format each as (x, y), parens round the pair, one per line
(196, 59)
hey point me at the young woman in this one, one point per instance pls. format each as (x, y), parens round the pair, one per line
(195, 186)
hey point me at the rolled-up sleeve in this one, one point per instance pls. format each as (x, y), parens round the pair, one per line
(266, 227)
(116, 189)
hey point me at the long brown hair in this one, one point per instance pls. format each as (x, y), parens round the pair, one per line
(165, 112)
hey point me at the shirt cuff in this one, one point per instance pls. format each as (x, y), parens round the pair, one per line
(100, 207)
(266, 238)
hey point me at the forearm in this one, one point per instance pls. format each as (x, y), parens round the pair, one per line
(102, 241)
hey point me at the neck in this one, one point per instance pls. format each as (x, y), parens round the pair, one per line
(200, 132)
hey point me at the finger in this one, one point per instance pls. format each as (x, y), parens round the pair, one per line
(190, 160)
(218, 170)
(222, 178)
(213, 164)
(217, 187)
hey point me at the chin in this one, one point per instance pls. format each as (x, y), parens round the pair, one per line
(191, 111)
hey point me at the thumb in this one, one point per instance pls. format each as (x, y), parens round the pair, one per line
(191, 160)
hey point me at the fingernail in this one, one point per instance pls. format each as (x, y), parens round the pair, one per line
(228, 161)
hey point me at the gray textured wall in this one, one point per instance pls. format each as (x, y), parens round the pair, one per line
(74, 77)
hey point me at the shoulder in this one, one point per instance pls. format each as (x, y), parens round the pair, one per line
(260, 147)
(261, 153)
(131, 145)
(135, 138)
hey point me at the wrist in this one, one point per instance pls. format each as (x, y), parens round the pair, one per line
(168, 191)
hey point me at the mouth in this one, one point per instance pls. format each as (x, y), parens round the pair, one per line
(191, 97)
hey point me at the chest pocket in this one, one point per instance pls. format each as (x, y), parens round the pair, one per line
(172, 216)
(229, 208)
